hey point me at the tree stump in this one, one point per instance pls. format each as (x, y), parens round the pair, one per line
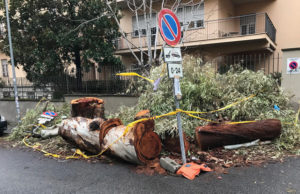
(217, 135)
(88, 107)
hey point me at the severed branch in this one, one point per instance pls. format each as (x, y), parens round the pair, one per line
(122, 32)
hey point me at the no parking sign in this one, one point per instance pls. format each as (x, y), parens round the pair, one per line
(169, 27)
(50, 113)
(293, 66)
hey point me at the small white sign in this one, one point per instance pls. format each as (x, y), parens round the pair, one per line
(172, 54)
(175, 69)
(293, 66)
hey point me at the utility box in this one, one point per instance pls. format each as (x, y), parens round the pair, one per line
(291, 72)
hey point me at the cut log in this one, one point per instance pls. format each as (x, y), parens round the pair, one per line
(82, 132)
(172, 144)
(217, 135)
(88, 107)
(140, 145)
(142, 114)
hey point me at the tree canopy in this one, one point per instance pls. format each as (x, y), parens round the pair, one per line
(50, 35)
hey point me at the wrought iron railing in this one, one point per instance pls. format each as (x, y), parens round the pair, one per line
(238, 26)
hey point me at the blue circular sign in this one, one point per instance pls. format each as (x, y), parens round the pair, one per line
(169, 27)
(50, 113)
(293, 65)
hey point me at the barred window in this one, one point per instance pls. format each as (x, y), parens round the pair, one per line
(4, 68)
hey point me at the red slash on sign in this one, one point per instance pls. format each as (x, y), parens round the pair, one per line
(169, 27)
(293, 65)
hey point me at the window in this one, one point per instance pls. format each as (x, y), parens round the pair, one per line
(139, 25)
(4, 68)
(2, 29)
(248, 24)
(191, 16)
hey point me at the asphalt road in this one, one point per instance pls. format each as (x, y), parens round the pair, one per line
(25, 171)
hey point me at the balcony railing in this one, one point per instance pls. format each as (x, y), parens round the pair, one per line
(238, 26)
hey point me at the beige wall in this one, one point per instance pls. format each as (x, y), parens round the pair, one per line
(285, 15)
(19, 70)
(226, 9)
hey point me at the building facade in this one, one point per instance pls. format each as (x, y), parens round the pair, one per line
(214, 28)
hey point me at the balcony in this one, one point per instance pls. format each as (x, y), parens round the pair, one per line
(234, 29)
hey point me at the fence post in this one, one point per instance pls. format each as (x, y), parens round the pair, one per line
(278, 63)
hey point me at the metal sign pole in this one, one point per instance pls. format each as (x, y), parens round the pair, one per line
(12, 63)
(177, 96)
(170, 30)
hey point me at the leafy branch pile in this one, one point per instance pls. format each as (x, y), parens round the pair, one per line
(30, 120)
(204, 90)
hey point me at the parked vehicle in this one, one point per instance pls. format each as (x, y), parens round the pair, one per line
(3, 125)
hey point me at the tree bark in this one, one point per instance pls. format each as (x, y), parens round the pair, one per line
(139, 145)
(217, 135)
(78, 69)
(82, 132)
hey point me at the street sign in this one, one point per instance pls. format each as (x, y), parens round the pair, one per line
(172, 54)
(169, 27)
(293, 66)
(50, 113)
(175, 69)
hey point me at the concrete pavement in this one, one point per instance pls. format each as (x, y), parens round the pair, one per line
(25, 171)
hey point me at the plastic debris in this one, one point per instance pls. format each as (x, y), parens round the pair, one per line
(191, 170)
(232, 147)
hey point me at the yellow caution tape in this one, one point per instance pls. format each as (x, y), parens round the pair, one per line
(37, 147)
(132, 124)
(43, 126)
(135, 74)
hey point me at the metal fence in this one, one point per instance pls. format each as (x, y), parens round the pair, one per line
(266, 62)
(57, 86)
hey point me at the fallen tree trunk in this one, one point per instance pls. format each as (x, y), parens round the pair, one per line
(88, 107)
(82, 132)
(217, 135)
(139, 145)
